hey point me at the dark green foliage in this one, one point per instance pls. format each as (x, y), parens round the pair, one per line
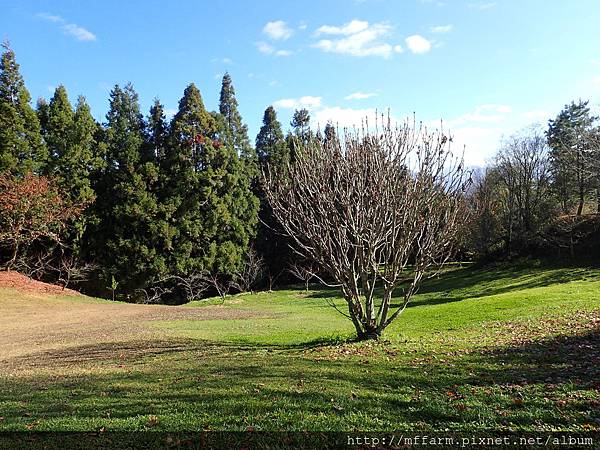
(237, 130)
(273, 156)
(271, 147)
(126, 206)
(571, 154)
(21, 146)
(157, 133)
(207, 191)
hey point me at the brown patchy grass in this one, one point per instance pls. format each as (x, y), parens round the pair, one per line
(38, 330)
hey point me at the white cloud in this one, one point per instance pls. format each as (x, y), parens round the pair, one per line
(352, 27)
(418, 44)
(170, 112)
(303, 25)
(360, 95)
(596, 80)
(227, 61)
(343, 117)
(356, 38)
(278, 30)
(268, 49)
(479, 143)
(441, 29)
(398, 49)
(488, 113)
(79, 33)
(265, 48)
(307, 101)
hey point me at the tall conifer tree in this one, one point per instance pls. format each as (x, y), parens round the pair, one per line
(126, 205)
(228, 107)
(21, 145)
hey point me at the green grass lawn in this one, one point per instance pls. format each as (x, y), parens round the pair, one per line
(499, 348)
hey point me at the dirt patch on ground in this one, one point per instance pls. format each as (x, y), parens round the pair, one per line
(36, 328)
(14, 280)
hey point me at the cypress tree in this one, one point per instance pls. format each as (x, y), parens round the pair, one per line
(21, 145)
(273, 152)
(207, 190)
(271, 147)
(58, 132)
(191, 126)
(237, 130)
(157, 133)
(126, 206)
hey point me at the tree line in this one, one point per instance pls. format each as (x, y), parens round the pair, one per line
(150, 208)
(540, 194)
(146, 208)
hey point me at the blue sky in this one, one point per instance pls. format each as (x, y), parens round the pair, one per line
(486, 67)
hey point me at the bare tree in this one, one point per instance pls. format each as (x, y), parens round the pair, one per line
(193, 284)
(220, 284)
(524, 170)
(251, 271)
(304, 271)
(70, 269)
(272, 277)
(370, 208)
(155, 293)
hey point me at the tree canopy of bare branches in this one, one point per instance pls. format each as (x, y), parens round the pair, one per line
(371, 208)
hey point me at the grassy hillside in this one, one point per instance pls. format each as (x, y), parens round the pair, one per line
(478, 349)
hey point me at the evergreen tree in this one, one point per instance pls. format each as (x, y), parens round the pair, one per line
(157, 133)
(126, 207)
(21, 145)
(191, 126)
(58, 131)
(272, 151)
(237, 130)
(208, 191)
(300, 134)
(271, 147)
(42, 110)
(571, 156)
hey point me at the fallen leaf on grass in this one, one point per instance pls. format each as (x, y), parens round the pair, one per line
(152, 421)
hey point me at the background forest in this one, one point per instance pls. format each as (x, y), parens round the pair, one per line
(146, 209)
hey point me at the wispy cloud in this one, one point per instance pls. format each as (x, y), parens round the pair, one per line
(72, 29)
(278, 30)
(356, 38)
(360, 95)
(268, 49)
(418, 44)
(307, 101)
(441, 29)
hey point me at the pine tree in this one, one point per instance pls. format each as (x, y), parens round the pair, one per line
(570, 156)
(21, 145)
(238, 131)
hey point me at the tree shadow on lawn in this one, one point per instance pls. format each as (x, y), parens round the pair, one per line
(560, 359)
(475, 282)
(235, 386)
